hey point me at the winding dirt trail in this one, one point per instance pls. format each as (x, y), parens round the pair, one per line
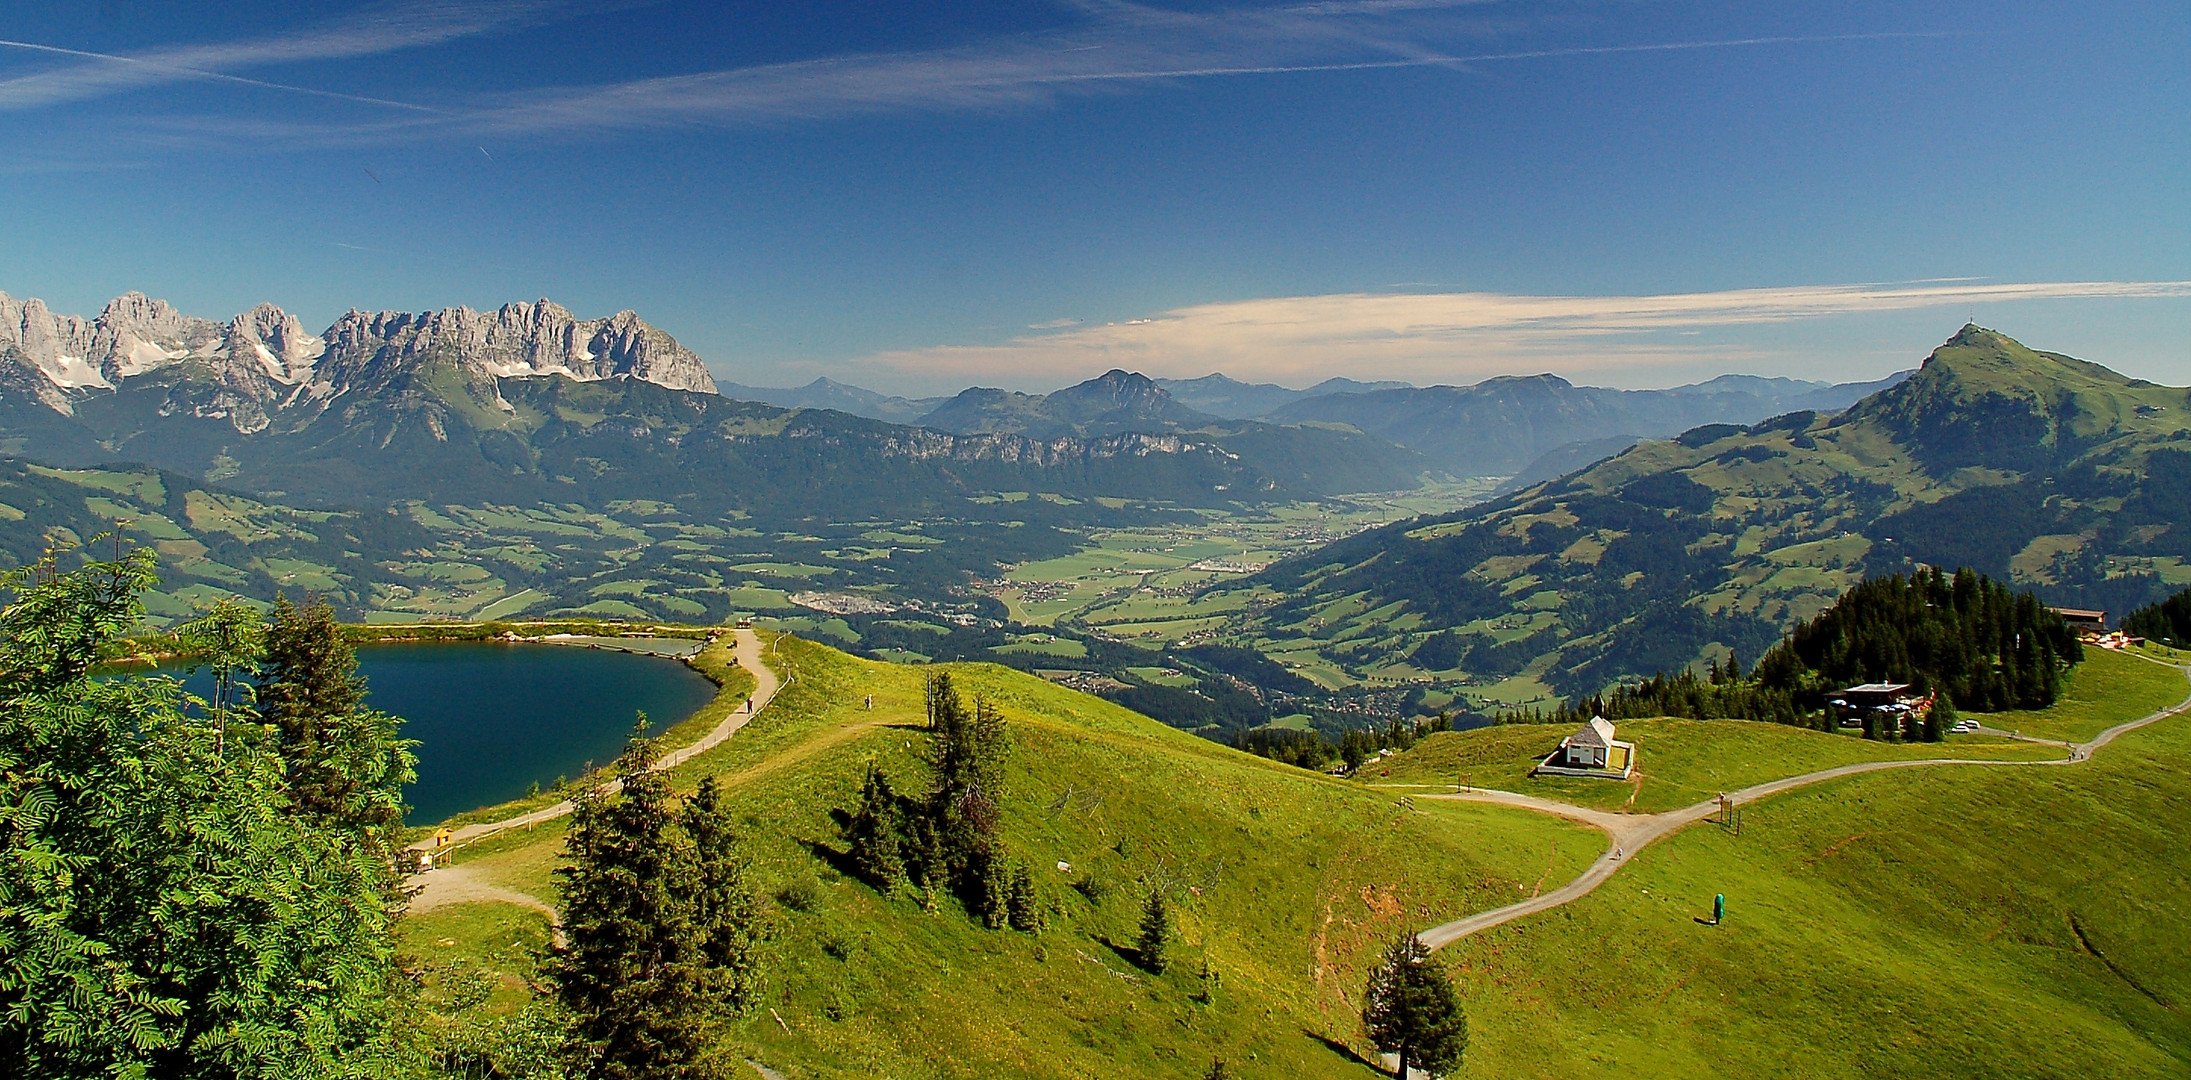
(453, 885)
(1630, 833)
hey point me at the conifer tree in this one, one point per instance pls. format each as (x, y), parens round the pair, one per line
(1410, 1009)
(1155, 939)
(2168, 622)
(345, 763)
(1940, 718)
(1022, 905)
(634, 969)
(873, 833)
(661, 928)
(966, 756)
(723, 902)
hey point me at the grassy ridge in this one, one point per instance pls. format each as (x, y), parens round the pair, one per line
(1683, 762)
(1287, 883)
(1678, 762)
(2014, 922)
(1952, 922)
(2105, 690)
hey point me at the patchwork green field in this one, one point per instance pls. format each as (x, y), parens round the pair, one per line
(1143, 583)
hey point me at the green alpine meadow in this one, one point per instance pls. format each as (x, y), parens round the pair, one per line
(1170, 540)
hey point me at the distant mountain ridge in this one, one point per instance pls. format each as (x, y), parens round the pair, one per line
(528, 404)
(2037, 468)
(1232, 399)
(1113, 402)
(1502, 426)
(826, 393)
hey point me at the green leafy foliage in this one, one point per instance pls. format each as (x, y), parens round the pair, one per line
(163, 911)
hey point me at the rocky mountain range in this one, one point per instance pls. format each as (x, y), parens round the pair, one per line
(529, 403)
(263, 363)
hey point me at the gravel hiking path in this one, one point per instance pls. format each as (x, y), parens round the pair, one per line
(1630, 833)
(452, 885)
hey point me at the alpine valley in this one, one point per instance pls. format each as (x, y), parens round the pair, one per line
(477, 464)
(1221, 555)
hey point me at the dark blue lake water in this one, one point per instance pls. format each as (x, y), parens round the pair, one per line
(493, 719)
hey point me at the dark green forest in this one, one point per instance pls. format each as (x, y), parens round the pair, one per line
(2168, 622)
(1965, 635)
(1979, 644)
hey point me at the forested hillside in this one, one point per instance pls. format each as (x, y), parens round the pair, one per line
(2036, 469)
(1965, 636)
(2168, 621)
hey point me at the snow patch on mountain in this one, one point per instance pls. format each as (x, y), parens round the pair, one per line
(264, 360)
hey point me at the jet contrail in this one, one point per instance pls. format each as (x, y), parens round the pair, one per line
(212, 76)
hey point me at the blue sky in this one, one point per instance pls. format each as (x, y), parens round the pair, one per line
(920, 196)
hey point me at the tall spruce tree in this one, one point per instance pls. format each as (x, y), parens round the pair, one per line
(723, 904)
(633, 969)
(338, 752)
(163, 912)
(966, 758)
(872, 833)
(1022, 904)
(660, 927)
(1410, 1009)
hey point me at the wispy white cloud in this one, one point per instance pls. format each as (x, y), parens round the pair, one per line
(1125, 47)
(1458, 336)
(1114, 47)
(85, 75)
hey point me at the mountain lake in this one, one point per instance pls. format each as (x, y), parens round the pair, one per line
(492, 719)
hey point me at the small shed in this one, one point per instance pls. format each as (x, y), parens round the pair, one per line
(1589, 746)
